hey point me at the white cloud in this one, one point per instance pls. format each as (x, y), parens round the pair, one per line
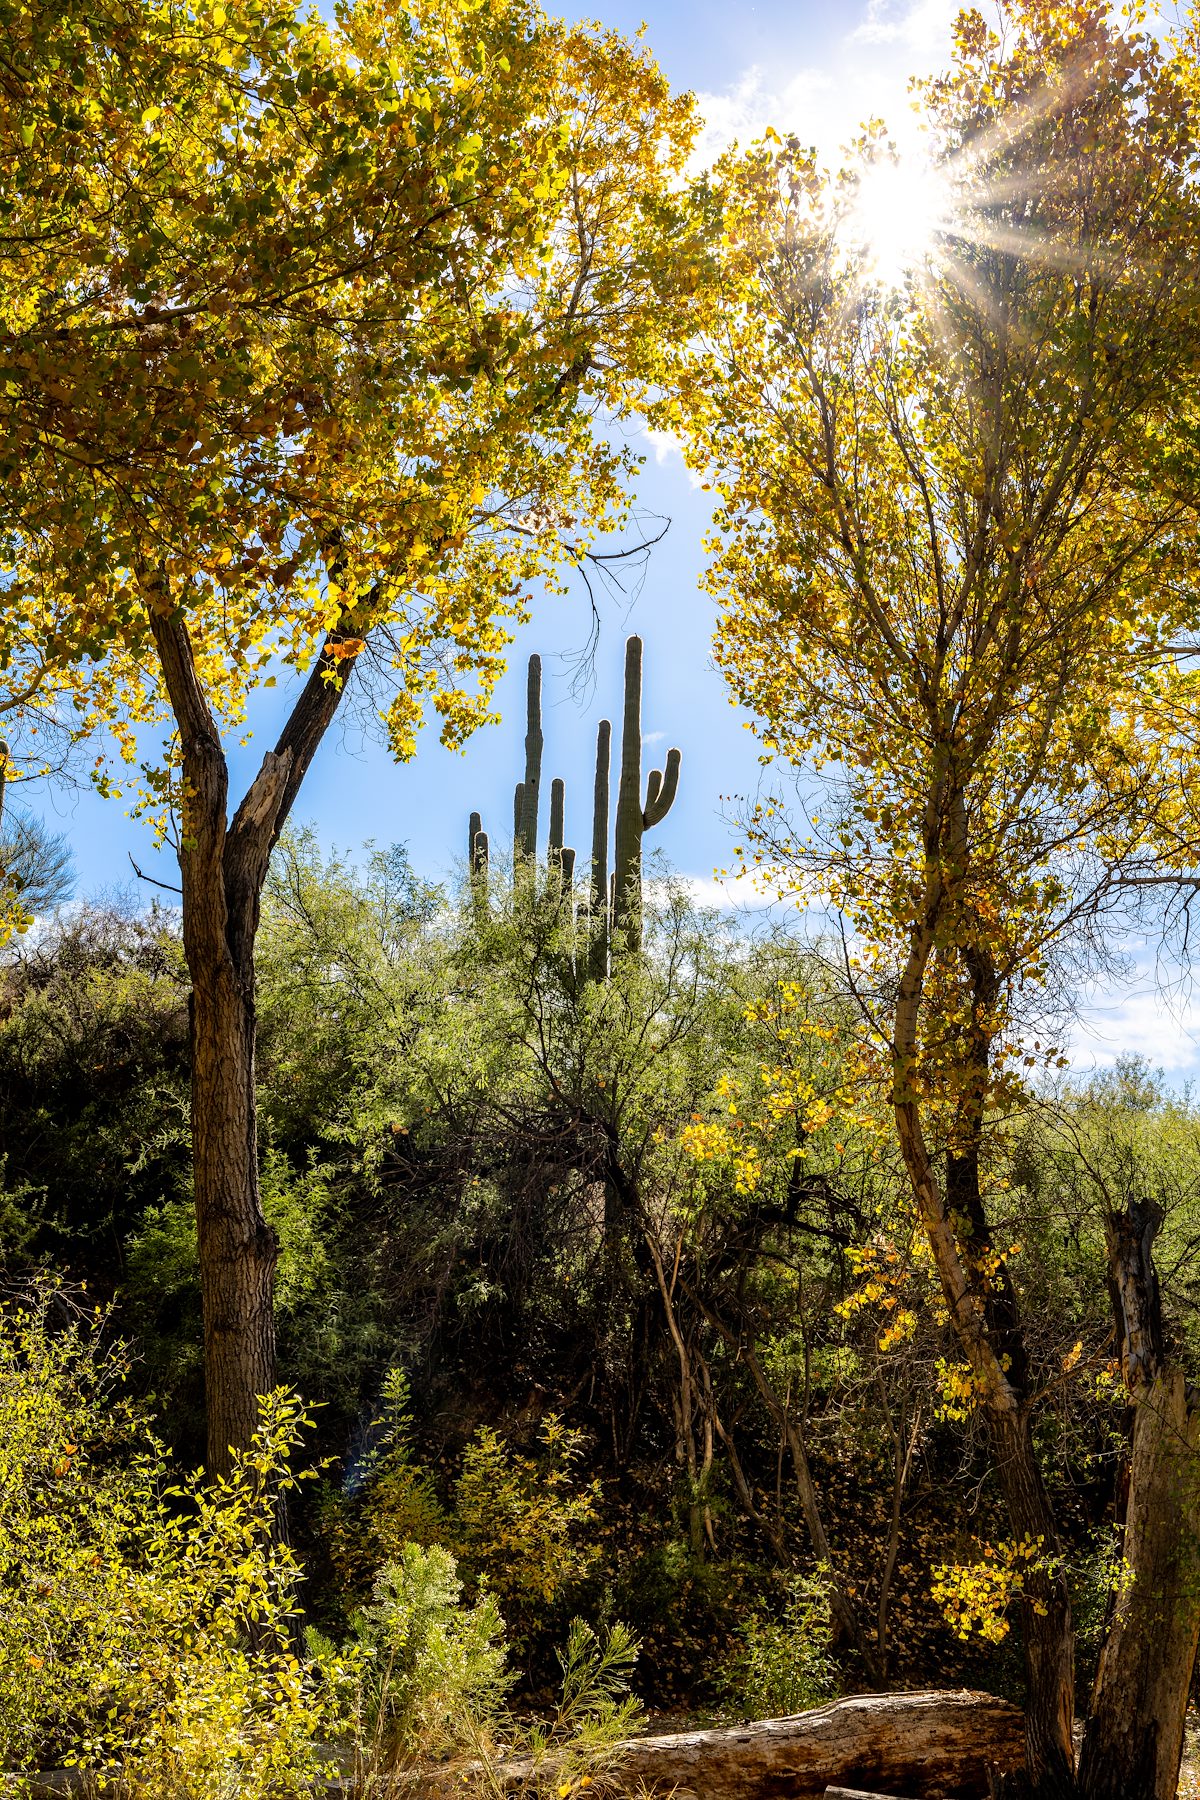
(711, 891)
(1163, 1029)
(727, 893)
(922, 28)
(664, 443)
(748, 108)
(667, 444)
(867, 77)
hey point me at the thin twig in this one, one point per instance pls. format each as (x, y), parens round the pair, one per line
(167, 886)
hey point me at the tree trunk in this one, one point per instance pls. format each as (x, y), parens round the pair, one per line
(1046, 1628)
(981, 1299)
(1133, 1740)
(223, 866)
(845, 1793)
(1048, 1634)
(935, 1745)
(237, 1247)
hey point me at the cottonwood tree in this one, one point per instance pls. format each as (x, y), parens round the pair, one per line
(306, 332)
(956, 535)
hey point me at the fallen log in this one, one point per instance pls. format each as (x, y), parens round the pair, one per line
(940, 1745)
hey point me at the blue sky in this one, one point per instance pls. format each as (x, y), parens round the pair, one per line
(817, 69)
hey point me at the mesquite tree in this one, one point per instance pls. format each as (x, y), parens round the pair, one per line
(306, 329)
(956, 541)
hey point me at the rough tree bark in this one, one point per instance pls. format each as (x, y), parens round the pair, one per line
(1133, 1739)
(223, 866)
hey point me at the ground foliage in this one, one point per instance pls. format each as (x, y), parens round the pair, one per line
(610, 1293)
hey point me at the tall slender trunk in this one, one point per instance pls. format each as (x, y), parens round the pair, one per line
(1047, 1631)
(223, 866)
(904, 1445)
(978, 1292)
(1134, 1736)
(698, 1466)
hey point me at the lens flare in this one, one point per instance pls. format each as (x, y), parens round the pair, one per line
(899, 212)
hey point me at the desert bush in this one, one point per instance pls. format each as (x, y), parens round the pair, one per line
(521, 1526)
(519, 1521)
(425, 1678)
(596, 1710)
(784, 1663)
(93, 1086)
(146, 1620)
(427, 1675)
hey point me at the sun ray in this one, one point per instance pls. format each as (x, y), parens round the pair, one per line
(899, 209)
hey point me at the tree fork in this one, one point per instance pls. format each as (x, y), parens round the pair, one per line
(223, 866)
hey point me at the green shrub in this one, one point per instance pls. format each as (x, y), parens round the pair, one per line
(518, 1520)
(425, 1679)
(596, 1710)
(130, 1598)
(393, 1503)
(784, 1664)
(428, 1674)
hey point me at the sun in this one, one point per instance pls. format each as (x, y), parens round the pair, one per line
(900, 211)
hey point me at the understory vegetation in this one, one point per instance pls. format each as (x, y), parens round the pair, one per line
(598, 1301)
(436, 1323)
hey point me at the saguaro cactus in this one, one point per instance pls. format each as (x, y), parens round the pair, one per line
(558, 793)
(614, 898)
(477, 848)
(478, 862)
(598, 947)
(560, 861)
(633, 817)
(531, 786)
